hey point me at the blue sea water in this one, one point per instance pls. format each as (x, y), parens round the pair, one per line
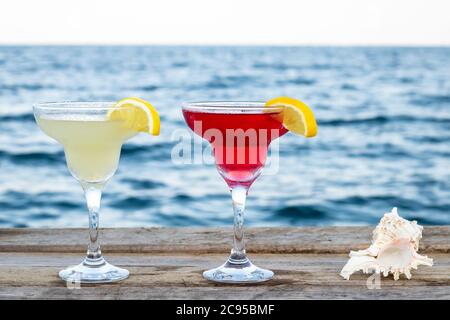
(384, 134)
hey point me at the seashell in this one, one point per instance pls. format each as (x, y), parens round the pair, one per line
(394, 249)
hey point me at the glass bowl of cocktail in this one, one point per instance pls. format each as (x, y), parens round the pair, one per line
(240, 134)
(92, 134)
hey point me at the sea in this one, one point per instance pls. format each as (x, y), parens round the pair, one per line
(383, 141)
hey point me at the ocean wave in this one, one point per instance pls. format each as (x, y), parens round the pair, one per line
(179, 220)
(143, 183)
(382, 120)
(215, 84)
(284, 66)
(20, 225)
(24, 117)
(304, 212)
(349, 87)
(298, 81)
(19, 201)
(387, 150)
(148, 88)
(24, 86)
(431, 99)
(407, 80)
(431, 139)
(180, 64)
(384, 200)
(182, 197)
(157, 151)
(132, 203)
(225, 82)
(273, 66)
(34, 157)
(42, 216)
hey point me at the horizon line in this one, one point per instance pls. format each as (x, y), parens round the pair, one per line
(175, 44)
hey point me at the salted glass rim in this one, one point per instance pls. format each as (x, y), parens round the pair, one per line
(76, 105)
(230, 107)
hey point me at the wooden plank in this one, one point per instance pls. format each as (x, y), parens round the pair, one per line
(115, 292)
(208, 240)
(168, 263)
(163, 276)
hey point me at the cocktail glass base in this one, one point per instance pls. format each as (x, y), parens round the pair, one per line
(86, 272)
(231, 272)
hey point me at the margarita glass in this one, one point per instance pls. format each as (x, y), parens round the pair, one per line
(240, 134)
(92, 143)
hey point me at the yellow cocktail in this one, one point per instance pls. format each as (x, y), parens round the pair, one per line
(92, 145)
(92, 134)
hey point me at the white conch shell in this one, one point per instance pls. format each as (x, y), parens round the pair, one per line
(394, 249)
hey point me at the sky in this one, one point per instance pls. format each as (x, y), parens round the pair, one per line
(238, 22)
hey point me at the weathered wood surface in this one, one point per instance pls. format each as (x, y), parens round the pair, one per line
(167, 264)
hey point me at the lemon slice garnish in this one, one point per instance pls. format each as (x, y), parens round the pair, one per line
(297, 116)
(137, 114)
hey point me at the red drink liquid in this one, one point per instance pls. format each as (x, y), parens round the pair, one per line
(240, 141)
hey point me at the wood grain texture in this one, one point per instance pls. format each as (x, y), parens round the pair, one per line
(167, 264)
(208, 240)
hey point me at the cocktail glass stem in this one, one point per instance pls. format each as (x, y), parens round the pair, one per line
(238, 268)
(238, 196)
(94, 268)
(93, 194)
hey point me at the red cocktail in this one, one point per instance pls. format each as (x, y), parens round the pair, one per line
(240, 134)
(240, 141)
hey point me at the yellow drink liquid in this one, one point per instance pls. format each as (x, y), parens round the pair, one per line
(92, 146)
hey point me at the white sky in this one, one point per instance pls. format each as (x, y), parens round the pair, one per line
(313, 22)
